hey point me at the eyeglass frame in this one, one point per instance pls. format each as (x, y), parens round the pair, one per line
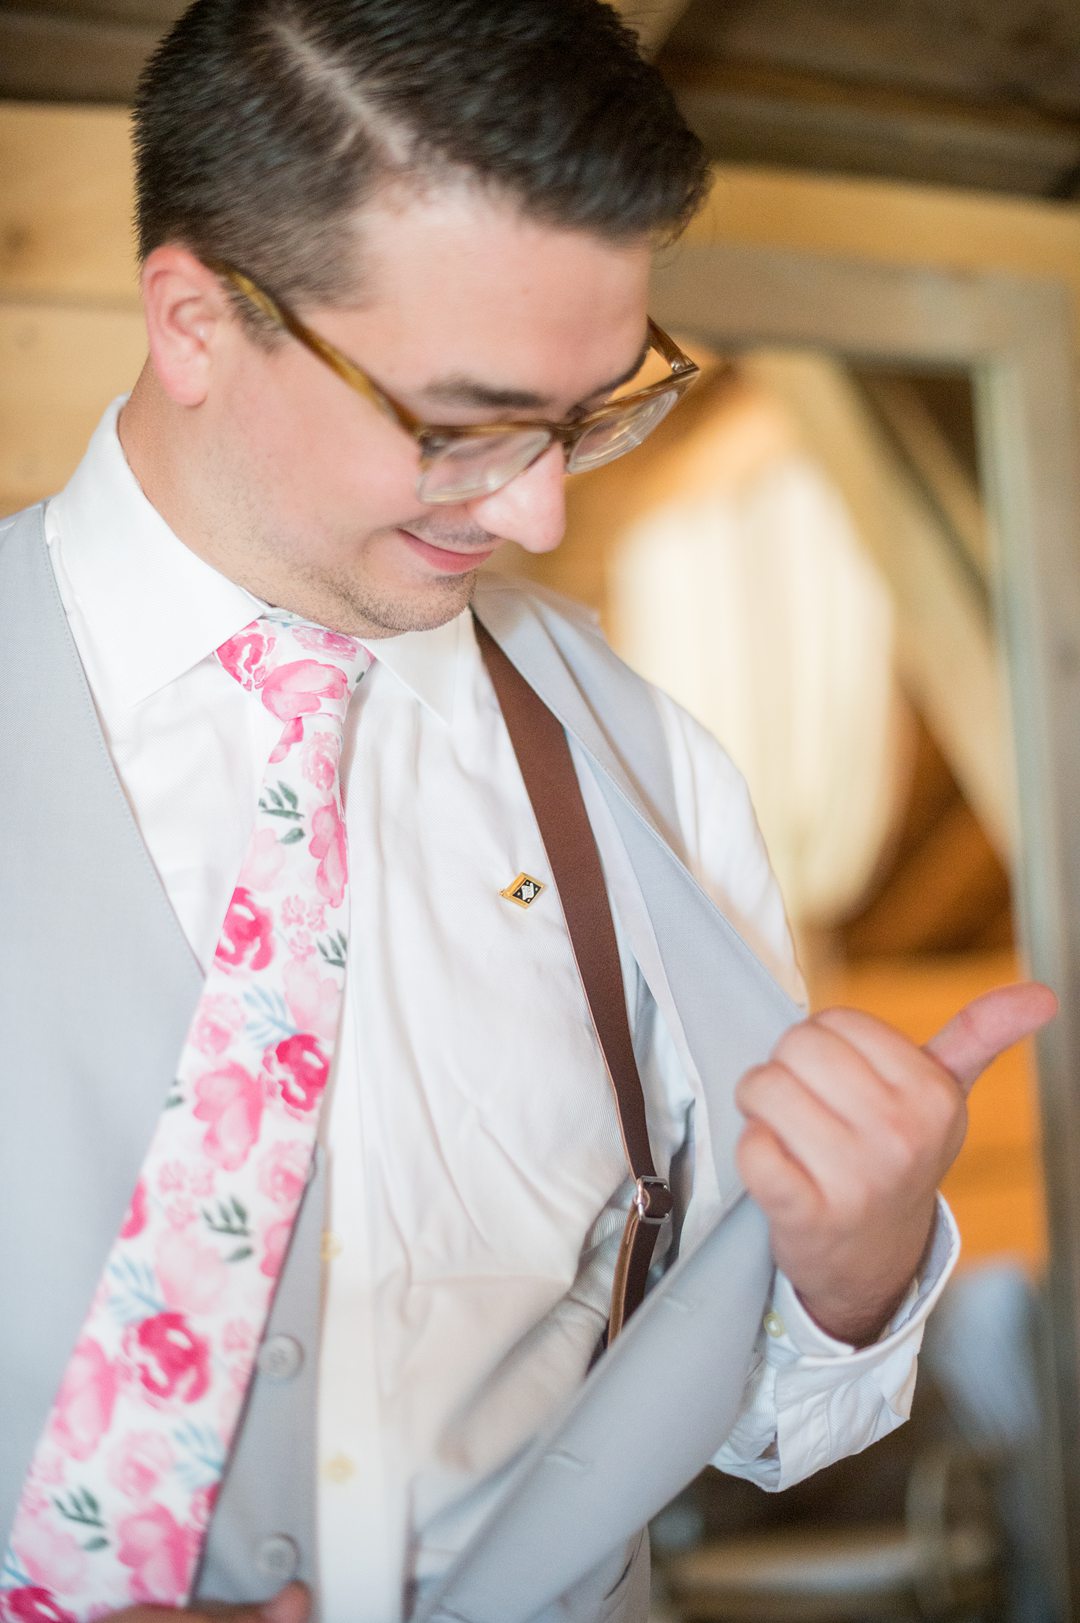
(434, 438)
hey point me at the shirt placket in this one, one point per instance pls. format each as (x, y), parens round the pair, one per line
(360, 1544)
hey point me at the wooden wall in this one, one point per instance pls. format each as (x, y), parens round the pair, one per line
(71, 333)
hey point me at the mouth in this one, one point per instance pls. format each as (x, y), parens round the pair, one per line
(445, 559)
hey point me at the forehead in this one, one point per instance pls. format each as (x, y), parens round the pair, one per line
(454, 277)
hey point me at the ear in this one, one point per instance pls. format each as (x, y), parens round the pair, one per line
(187, 311)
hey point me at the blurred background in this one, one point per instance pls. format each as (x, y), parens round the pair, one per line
(805, 555)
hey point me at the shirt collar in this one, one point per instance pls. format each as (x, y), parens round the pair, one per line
(155, 608)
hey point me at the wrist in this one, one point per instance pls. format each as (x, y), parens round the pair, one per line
(852, 1299)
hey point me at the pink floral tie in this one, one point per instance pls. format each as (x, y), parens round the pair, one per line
(116, 1503)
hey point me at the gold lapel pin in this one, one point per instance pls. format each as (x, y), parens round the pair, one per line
(523, 890)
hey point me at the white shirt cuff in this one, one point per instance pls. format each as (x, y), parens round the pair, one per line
(790, 1330)
(810, 1399)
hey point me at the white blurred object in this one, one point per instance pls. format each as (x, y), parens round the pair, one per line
(759, 610)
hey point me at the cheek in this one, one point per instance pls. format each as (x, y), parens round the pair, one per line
(354, 476)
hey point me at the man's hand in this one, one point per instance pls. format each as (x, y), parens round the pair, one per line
(291, 1605)
(850, 1129)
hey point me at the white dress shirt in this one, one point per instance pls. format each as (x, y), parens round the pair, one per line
(477, 1180)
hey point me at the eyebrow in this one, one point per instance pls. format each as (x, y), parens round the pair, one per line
(458, 389)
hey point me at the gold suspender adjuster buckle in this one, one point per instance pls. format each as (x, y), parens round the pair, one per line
(653, 1200)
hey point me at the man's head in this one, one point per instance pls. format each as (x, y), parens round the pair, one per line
(461, 195)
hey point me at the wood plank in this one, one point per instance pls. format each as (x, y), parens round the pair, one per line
(48, 57)
(945, 479)
(1008, 53)
(65, 205)
(652, 20)
(58, 369)
(766, 115)
(885, 223)
(149, 14)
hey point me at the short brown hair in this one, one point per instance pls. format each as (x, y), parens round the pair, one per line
(261, 126)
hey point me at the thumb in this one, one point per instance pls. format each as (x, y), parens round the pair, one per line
(291, 1605)
(990, 1025)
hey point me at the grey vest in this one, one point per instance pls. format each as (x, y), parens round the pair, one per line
(97, 989)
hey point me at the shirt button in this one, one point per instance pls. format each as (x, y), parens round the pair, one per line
(331, 1246)
(278, 1557)
(339, 1469)
(280, 1358)
(774, 1324)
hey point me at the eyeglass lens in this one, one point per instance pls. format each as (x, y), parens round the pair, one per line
(475, 467)
(468, 468)
(618, 434)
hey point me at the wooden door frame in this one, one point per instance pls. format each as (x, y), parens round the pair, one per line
(1013, 335)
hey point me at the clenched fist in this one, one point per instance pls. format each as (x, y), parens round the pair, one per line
(850, 1128)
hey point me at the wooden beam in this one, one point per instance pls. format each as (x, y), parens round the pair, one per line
(948, 655)
(765, 115)
(57, 57)
(877, 222)
(944, 479)
(653, 21)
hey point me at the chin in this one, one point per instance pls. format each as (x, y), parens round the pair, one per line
(414, 608)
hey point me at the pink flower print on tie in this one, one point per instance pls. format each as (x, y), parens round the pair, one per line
(171, 1362)
(245, 655)
(159, 1552)
(328, 844)
(264, 862)
(283, 1171)
(141, 1429)
(138, 1462)
(320, 760)
(34, 1606)
(54, 1558)
(298, 1070)
(230, 1099)
(247, 935)
(135, 1221)
(84, 1404)
(275, 1242)
(311, 997)
(194, 1277)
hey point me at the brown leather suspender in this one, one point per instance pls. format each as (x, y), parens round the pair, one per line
(547, 767)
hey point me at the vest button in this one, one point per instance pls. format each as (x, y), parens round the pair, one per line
(280, 1358)
(278, 1557)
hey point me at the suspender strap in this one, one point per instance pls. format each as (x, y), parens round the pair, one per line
(547, 767)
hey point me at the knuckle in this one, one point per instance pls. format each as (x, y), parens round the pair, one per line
(841, 1019)
(753, 1085)
(799, 1045)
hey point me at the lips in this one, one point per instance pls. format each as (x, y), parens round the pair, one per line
(445, 559)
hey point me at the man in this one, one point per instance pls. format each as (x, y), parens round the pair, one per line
(359, 218)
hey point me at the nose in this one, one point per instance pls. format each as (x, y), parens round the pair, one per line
(531, 509)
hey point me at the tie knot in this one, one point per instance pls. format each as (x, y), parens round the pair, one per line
(297, 669)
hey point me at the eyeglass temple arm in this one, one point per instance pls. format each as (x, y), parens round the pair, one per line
(677, 359)
(333, 358)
